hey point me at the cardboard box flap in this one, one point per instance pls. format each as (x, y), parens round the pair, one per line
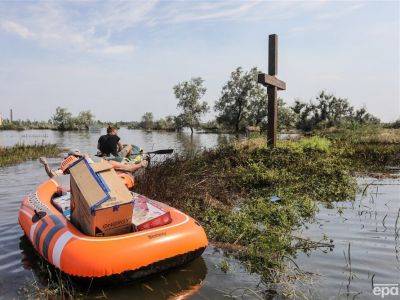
(118, 190)
(101, 166)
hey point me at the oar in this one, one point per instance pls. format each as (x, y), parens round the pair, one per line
(163, 151)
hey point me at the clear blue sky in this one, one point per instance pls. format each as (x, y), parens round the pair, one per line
(121, 59)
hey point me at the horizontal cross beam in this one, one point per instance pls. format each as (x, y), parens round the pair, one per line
(269, 80)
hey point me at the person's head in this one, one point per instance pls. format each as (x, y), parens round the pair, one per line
(111, 130)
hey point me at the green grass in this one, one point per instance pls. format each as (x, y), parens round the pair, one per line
(21, 153)
(228, 189)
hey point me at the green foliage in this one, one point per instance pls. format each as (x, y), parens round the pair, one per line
(84, 119)
(329, 111)
(224, 265)
(63, 120)
(286, 117)
(147, 121)
(189, 94)
(210, 126)
(315, 143)
(233, 104)
(244, 102)
(394, 125)
(167, 124)
(20, 153)
(367, 148)
(228, 189)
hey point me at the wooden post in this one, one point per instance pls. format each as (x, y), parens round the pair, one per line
(273, 84)
(272, 116)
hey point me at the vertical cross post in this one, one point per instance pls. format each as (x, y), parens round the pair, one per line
(272, 90)
(273, 84)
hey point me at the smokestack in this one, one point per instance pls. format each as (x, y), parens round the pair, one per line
(11, 115)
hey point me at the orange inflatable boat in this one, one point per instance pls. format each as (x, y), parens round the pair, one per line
(142, 252)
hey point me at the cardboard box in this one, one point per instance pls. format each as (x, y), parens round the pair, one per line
(101, 205)
(147, 215)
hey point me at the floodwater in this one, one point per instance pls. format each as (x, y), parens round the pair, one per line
(365, 235)
(370, 225)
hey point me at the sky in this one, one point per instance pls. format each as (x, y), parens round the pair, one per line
(121, 58)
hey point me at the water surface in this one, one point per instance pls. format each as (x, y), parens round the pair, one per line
(368, 224)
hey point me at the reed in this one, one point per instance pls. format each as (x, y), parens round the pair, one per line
(20, 153)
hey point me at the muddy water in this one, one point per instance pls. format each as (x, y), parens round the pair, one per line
(368, 224)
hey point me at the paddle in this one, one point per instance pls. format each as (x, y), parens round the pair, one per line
(163, 151)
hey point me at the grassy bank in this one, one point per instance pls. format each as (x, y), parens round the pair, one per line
(368, 148)
(20, 153)
(232, 190)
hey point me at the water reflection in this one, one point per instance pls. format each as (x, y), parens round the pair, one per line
(87, 141)
(178, 283)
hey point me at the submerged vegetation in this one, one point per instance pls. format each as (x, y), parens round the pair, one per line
(20, 153)
(250, 198)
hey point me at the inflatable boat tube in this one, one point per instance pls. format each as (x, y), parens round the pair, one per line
(60, 243)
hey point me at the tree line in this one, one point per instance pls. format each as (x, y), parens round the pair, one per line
(61, 120)
(242, 102)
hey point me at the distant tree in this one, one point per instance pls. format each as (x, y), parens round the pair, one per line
(286, 117)
(179, 123)
(84, 119)
(361, 116)
(62, 119)
(258, 101)
(169, 123)
(329, 111)
(395, 124)
(189, 94)
(233, 103)
(147, 120)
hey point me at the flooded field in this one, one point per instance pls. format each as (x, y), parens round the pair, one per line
(364, 233)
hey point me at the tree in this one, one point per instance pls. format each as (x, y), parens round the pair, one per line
(286, 117)
(147, 120)
(189, 94)
(62, 119)
(242, 101)
(258, 101)
(84, 119)
(179, 123)
(329, 111)
(361, 116)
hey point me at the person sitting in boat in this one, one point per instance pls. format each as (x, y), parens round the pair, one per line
(72, 156)
(110, 144)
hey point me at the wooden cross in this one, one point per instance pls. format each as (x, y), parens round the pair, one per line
(273, 84)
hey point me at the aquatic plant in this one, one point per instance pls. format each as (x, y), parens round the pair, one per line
(21, 152)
